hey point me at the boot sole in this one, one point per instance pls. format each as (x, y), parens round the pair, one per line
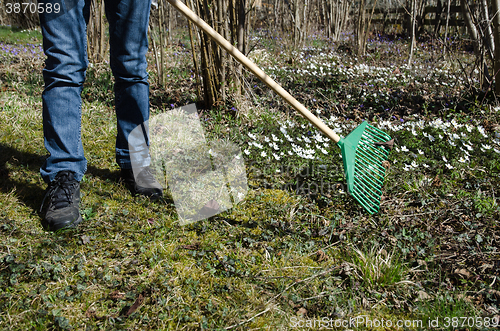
(72, 225)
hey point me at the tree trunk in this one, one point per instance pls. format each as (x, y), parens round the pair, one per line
(360, 27)
(475, 37)
(221, 75)
(446, 29)
(496, 31)
(195, 57)
(437, 22)
(241, 26)
(413, 42)
(97, 46)
(363, 26)
(488, 32)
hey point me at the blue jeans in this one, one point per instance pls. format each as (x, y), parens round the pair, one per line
(65, 45)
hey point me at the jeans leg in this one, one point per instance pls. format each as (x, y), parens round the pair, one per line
(128, 31)
(64, 43)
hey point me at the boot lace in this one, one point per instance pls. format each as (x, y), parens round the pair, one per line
(60, 192)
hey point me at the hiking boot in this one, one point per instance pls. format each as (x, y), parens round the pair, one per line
(63, 196)
(143, 184)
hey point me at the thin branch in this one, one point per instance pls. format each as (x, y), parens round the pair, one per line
(302, 281)
(248, 320)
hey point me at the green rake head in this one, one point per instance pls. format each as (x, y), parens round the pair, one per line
(363, 152)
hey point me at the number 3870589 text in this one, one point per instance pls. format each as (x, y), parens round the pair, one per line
(31, 7)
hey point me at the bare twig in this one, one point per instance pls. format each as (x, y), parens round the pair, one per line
(324, 248)
(322, 294)
(248, 320)
(302, 281)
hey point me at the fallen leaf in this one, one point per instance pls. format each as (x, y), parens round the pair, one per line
(85, 239)
(486, 266)
(383, 253)
(422, 295)
(462, 272)
(302, 311)
(436, 182)
(93, 315)
(388, 144)
(321, 256)
(495, 293)
(90, 313)
(386, 164)
(136, 305)
(422, 263)
(115, 295)
(190, 247)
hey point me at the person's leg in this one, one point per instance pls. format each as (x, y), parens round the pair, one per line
(128, 32)
(64, 43)
(63, 26)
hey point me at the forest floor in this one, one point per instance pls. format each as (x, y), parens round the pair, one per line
(297, 251)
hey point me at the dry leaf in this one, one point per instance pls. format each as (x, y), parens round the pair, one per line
(115, 295)
(302, 311)
(495, 293)
(192, 247)
(85, 240)
(422, 295)
(388, 144)
(486, 266)
(321, 256)
(93, 315)
(462, 272)
(90, 313)
(386, 164)
(136, 305)
(436, 182)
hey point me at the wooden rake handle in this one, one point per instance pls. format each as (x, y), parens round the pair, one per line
(253, 68)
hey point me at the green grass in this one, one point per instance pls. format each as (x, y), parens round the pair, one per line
(14, 35)
(377, 268)
(288, 251)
